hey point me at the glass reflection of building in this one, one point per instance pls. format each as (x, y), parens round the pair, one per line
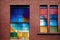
(53, 18)
(43, 18)
(19, 22)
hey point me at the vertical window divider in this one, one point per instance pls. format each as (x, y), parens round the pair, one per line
(58, 19)
(48, 28)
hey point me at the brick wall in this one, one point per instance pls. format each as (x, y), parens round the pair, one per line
(34, 18)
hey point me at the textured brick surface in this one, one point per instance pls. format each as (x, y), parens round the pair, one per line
(34, 18)
(4, 20)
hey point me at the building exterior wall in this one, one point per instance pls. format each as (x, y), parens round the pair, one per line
(4, 19)
(34, 18)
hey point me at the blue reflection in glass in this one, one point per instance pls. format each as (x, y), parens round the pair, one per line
(17, 26)
(26, 26)
(41, 17)
(19, 18)
(18, 13)
(43, 22)
(20, 26)
(53, 16)
(53, 22)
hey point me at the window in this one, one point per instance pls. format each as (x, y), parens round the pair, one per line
(48, 21)
(19, 22)
(53, 18)
(43, 18)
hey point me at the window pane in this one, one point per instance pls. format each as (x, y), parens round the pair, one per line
(26, 26)
(53, 29)
(43, 29)
(43, 22)
(53, 18)
(19, 22)
(19, 14)
(53, 22)
(43, 18)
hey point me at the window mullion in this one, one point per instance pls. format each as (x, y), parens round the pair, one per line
(48, 19)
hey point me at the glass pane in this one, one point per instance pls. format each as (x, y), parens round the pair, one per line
(43, 29)
(53, 29)
(53, 22)
(43, 22)
(19, 22)
(53, 18)
(19, 14)
(43, 18)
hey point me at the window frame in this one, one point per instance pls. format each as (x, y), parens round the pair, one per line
(48, 29)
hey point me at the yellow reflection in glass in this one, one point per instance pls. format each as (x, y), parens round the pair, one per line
(43, 29)
(19, 35)
(25, 35)
(11, 30)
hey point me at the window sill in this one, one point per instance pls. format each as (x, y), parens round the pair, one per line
(48, 33)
